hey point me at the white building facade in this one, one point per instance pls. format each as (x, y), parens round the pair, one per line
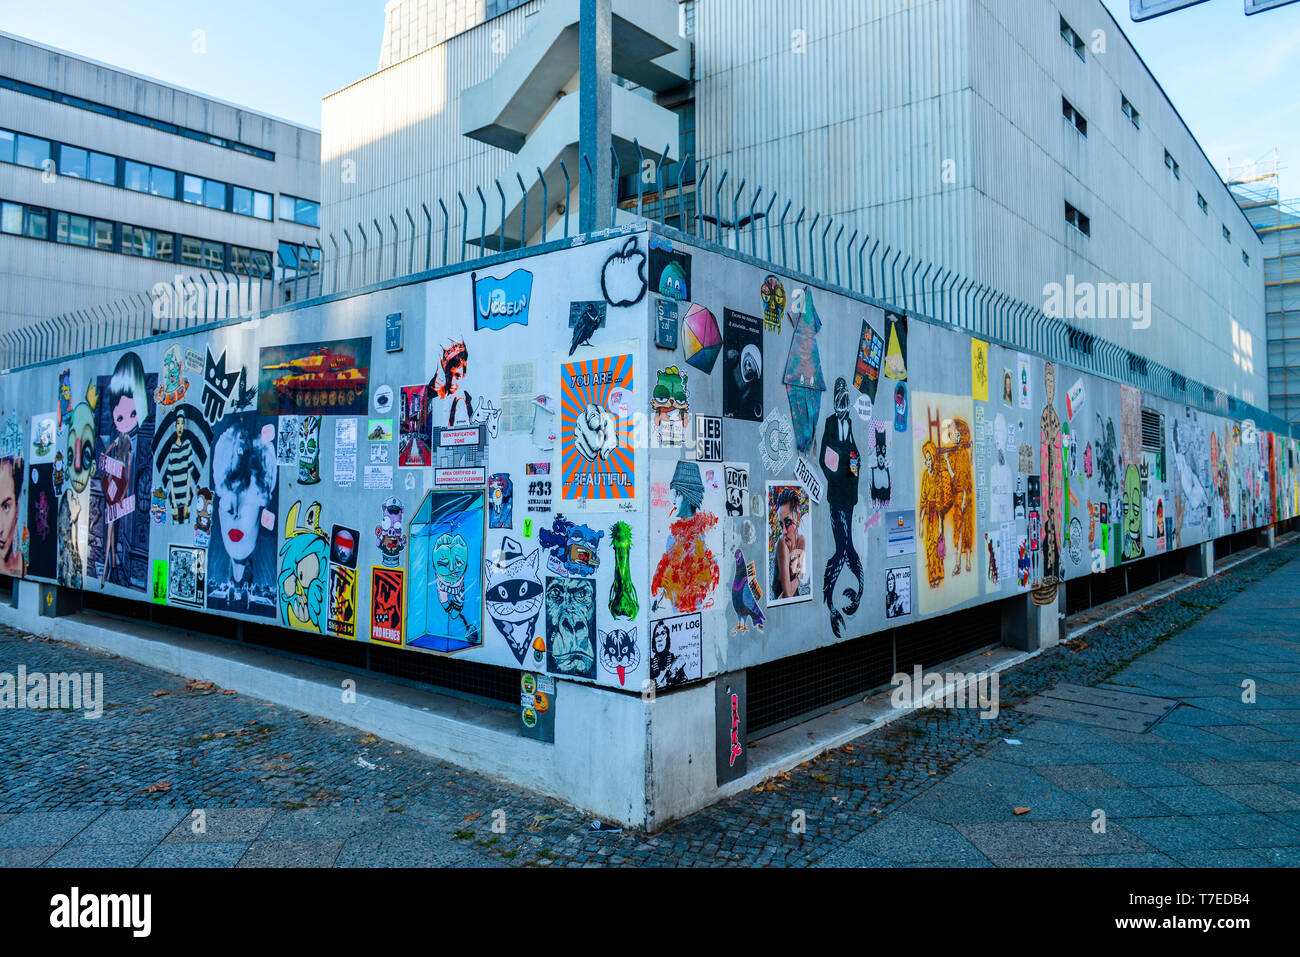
(111, 183)
(1025, 146)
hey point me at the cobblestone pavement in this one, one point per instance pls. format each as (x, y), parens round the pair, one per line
(1215, 782)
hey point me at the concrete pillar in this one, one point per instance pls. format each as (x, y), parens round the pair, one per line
(1027, 626)
(41, 600)
(1268, 537)
(1200, 560)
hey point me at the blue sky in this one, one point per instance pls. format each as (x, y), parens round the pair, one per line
(1233, 78)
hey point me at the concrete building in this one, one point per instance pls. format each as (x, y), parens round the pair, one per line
(1027, 147)
(112, 182)
(1277, 222)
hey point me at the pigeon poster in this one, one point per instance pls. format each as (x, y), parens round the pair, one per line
(321, 377)
(742, 348)
(597, 459)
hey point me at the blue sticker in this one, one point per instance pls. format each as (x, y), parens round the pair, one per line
(502, 302)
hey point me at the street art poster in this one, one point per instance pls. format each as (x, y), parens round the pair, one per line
(502, 302)
(944, 475)
(344, 543)
(670, 270)
(1023, 385)
(41, 518)
(623, 601)
(390, 534)
(742, 352)
(501, 501)
(518, 387)
(789, 544)
(776, 441)
(445, 603)
(895, 366)
(1008, 388)
(746, 594)
(345, 452)
(880, 465)
(571, 626)
(120, 498)
(597, 457)
(979, 370)
(387, 604)
(841, 464)
(687, 571)
(572, 548)
(871, 353)
(708, 438)
(181, 446)
(803, 379)
(513, 595)
(304, 564)
(379, 430)
(701, 338)
(309, 443)
(65, 398)
(1131, 531)
(898, 591)
(1130, 425)
(174, 383)
(44, 438)
(242, 566)
(12, 477)
(772, 292)
(670, 408)
(460, 456)
(900, 533)
(676, 650)
(342, 616)
(186, 575)
(323, 377)
(287, 438)
(618, 652)
(736, 475)
(225, 388)
(1052, 475)
(414, 449)
(622, 277)
(585, 319)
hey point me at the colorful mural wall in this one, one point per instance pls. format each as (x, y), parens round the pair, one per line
(628, 461)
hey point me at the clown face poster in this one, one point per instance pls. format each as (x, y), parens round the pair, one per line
(597, 459)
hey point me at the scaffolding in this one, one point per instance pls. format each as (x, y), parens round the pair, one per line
(1256, 187)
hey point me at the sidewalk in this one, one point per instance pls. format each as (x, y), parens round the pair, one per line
(1216, 783)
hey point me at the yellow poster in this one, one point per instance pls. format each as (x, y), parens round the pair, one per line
(979, 370)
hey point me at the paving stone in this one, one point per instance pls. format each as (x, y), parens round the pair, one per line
(291, 853)
(24, 856)
(191, 854)
(145, 826)
(41, 828)
(100, 855)
(221, 826)
(1018, 839)
(1197, 799)
(1079, 777)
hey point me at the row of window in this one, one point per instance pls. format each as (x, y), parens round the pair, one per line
(1080, 123)
(37, 222)
(63, 158)
(9, 83)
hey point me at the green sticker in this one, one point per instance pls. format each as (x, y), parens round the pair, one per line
(160, 581)
(528, 528)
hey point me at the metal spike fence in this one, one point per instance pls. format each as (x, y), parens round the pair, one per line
(755, 222)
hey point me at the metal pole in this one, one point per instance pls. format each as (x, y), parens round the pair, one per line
(595, 77)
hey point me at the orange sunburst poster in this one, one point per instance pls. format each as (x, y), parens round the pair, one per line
(596, 452)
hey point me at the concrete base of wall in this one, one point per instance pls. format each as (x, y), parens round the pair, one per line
(1268, 537)
(1028, 626)
(1200, 560)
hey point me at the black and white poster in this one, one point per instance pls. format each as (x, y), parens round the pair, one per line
(742, 358)
(898, 591)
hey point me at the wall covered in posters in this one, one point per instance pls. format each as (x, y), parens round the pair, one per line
(535, 496)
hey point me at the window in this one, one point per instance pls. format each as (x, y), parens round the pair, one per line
(250, 262)
(1074, 116)
(1078, 220)
(36, 222)
(135, 176)
(192, 189)
(214, 194)
(102, 168)
(191, 251)
(1130, 111)
(299, 210)
(1073, 39)
(164, 246)
(74, 230)
(103, 234)
(31, 151)
(144, 178)
(11, 218)
(137, 241)
(1227, 234)
(1202, 204)
(162, 182)
(249, 202)
(72, 161)
(214, 255)
(6, 146)
(1172, 164)
(292, 254)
